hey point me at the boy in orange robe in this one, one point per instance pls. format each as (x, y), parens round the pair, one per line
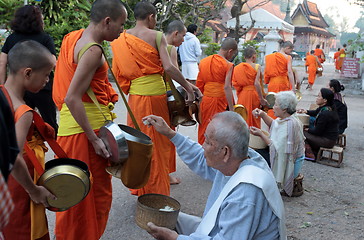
(80, 118)
(341, 57)
(336, 58)
(278, 73)
(312, 63)
(28, 220)
(138, 67)
(319, 53)
(214, 81)
(247, 82)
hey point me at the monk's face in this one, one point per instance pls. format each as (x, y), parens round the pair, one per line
(116, 27)
(288, 50)
(37, 79)
(178, 37)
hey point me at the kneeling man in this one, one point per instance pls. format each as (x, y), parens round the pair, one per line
(244, 202)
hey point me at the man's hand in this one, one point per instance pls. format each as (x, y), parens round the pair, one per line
(40, 194)
(161, 233)
(256, 131)
(264, 102)
(100, 148)
(198, 93)
(160, 125)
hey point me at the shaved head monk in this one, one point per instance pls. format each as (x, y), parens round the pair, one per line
(80, 67)
(312, 63)
(248, 85)
(138, 65)
(214, 81)
(278, 73)
(319, 53)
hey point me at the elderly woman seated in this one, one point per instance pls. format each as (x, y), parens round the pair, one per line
(286, 141)
(325, 131)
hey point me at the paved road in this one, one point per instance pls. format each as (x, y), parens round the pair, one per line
(192, 192)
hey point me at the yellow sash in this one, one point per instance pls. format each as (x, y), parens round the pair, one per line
(150, 85)
(38, 226)
(69, 126)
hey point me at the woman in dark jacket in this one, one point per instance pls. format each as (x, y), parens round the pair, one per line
(340, 104)
(325, 131)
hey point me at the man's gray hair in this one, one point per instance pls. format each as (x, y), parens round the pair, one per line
(231, 130)
(175, 25)
(287, 100)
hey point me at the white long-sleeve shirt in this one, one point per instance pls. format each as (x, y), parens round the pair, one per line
(245, 212)
(190, 49)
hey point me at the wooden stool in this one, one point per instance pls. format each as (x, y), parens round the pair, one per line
(297, 186)
(341, 140)
(330, 161)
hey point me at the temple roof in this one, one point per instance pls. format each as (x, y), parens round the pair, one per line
(312, 14)
(313, 29)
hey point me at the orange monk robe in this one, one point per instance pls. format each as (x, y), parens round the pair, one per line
(88, 219)
(243, 81)
(276, 74)
(320, 54)
(342, 55)
(134, 58)
(336, 58)
(211, 81)
(19, 226)
(311, 63)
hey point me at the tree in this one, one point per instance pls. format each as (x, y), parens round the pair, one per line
(236, 12)
(360, 22)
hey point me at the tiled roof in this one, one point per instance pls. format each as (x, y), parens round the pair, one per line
(312, 14)
(217, 26)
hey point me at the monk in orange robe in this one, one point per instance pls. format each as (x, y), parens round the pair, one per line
(319, 53)
(247, 82)
(174, 36)
(80, 67)
(341, 57)
(336, 59)
(28, 220)
(214, 81)
(312, 63)
(138, 67)
(278, 73)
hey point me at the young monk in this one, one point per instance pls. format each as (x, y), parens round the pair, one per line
(278, 72)
(80, 118)
(341, 57)
(138, 67)
(319, 53)
(336, 59)
(247, 82)
(312, 63)
(28, 220)
(174, 36)
(214, 81)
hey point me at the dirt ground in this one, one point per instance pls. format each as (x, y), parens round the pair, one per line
(332, 206)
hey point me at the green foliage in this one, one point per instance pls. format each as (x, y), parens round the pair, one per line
(62, 17)
(206, 36)
(212, 48)
(7, 9)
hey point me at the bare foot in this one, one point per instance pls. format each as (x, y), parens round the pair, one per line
(174, 180)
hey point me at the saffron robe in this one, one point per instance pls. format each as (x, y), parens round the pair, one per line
(138, 69)
(311, 63)
(28, 220)
(336, 58)
(211, 81)
(320, 54)
(341, 58)
(88, 219)
(276, 74)
(243, 81)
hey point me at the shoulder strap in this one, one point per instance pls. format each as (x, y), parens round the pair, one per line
(90, 92)
(158, 40)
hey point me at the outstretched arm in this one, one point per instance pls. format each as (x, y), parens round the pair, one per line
(227, 88)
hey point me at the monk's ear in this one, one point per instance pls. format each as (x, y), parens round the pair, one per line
(107, 21)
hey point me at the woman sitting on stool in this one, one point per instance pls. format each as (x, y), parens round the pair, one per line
(325, 131)
(286, 141)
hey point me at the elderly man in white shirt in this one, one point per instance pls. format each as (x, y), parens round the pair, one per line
(244, 202)
(189, 52)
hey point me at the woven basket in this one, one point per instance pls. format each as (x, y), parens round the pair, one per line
(147, 210)
(304, 118)
(257, 142)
